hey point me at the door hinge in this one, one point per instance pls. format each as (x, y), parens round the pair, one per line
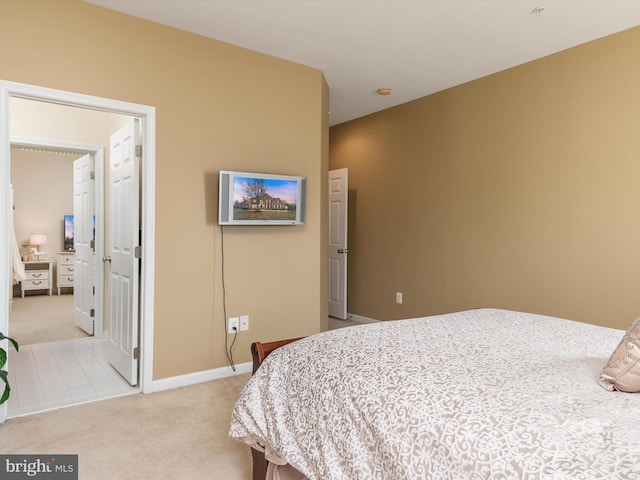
(139, 151)
(92, 312)
(92, 175)
(137, 251)
(136, 353)
(93, 244)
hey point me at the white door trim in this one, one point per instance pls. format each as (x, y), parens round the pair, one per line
(148, 114)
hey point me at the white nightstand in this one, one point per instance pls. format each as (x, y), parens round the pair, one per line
(64, 269)
(38, 276)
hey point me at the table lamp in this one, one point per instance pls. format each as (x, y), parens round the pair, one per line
(38, 239)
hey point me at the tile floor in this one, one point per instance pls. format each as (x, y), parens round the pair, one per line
(47, 376)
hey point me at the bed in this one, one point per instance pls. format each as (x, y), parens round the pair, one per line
(480, 394)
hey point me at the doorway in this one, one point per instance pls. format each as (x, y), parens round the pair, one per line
(42, 175)
(338, 236)
(9, 90)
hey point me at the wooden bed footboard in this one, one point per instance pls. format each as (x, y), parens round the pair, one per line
(260, 351)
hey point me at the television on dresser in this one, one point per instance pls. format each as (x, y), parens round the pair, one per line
(68, 232)
(261, 199)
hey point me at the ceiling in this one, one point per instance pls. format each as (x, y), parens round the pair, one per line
(414, 47)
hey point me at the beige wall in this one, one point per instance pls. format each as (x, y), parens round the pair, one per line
(518, 190)
(218, 107)
(43, 194)
(60, 123)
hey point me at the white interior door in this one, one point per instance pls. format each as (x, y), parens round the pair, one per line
(121, 262)
(338, 221)
(83, 243)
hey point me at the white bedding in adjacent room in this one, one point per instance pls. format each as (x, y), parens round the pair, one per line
(481, 394)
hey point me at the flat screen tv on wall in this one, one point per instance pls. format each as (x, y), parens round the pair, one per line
(261, 199)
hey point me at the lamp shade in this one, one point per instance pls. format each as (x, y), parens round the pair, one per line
(38, 239)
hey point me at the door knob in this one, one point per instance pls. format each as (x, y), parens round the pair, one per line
(343, 250)
(106, 259)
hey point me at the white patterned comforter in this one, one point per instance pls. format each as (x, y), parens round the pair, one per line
(482, 394)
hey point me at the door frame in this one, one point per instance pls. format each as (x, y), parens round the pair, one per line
(148, 115)
(98, 154)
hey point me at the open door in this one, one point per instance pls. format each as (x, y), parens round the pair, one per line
(83, 243)
(338, 221)
(121, 263)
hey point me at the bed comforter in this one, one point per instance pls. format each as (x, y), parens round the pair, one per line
(481, 394)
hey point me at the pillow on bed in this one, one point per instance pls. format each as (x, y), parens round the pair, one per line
(622, 371)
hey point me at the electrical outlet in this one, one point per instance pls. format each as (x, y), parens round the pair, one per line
(398, 297)
(233, 325)
(244, 322)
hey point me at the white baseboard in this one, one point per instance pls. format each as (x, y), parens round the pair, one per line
(218, 373)
(361, 319)
(200, 377)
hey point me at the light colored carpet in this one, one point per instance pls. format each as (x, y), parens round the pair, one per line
(176, 434)
(43, 318)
